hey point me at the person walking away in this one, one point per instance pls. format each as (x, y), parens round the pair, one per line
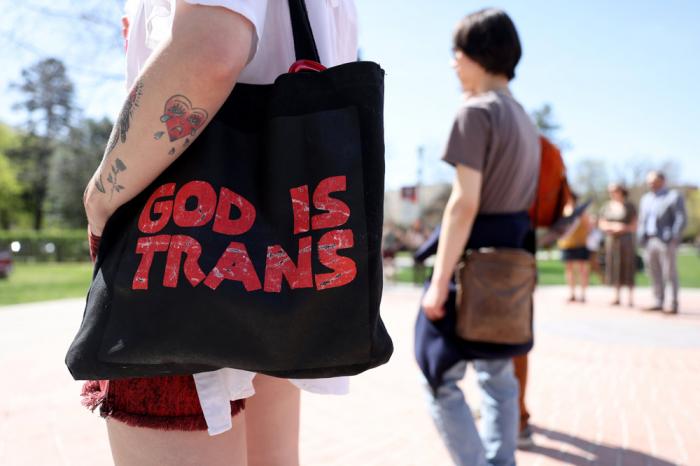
(494, 147)
(575, 252)
(662, 221)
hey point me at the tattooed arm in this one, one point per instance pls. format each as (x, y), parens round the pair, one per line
(184, 82)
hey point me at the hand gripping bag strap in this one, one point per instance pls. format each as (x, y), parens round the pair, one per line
(304, 43)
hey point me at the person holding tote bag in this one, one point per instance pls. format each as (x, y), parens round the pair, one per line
(184, 58)
(495, 149)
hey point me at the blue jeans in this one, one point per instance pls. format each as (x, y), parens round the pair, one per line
(499, 414)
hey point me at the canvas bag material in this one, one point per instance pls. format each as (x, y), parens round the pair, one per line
(495, 295)
(553, 190)
(259, 247)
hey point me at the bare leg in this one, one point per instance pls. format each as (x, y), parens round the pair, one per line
(272, 423)
(140, 446)
(570, 279)
(631, 296)
(583, 271)
(617, 296)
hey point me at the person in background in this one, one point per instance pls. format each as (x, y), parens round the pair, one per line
(520, 369)
(392, 243)
(618, 220)
(575, 252)
(596, 238)
(661, 223)
(494, 147)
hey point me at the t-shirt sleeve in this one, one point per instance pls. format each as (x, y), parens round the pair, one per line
(469, 139)
(253, 10)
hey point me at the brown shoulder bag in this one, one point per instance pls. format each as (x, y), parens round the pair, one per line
(494, 295)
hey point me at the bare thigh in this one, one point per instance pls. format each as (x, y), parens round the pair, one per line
(272, 423)
(139, 446)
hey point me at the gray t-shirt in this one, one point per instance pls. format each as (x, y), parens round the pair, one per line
(493, 134)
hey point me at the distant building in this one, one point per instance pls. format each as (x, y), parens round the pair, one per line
(404, 206)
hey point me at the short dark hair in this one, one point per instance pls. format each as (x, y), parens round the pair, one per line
(659, 174)
(489, 38)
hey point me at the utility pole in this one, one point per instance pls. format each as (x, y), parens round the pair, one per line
(419, 172)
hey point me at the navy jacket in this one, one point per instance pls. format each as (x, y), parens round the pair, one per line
(437, 347)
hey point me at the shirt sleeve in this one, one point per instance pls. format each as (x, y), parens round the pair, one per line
(469, 139)
(253, 10)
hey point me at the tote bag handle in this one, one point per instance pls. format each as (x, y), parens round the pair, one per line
(304, 43)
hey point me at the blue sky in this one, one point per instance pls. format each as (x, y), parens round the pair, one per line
(621, 77)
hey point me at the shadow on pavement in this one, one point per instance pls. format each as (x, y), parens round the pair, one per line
(591, 453)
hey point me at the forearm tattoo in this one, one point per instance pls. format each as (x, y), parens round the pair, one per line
(181, 120)
(119, 133)
(121, 127)
(117, 167)
(99, 185)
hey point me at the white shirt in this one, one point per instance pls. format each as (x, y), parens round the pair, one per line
(334, 25)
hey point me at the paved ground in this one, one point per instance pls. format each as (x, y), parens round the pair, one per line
(609, 386)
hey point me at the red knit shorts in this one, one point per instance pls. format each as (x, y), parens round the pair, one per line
(166, 402)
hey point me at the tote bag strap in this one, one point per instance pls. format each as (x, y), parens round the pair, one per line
(304, 43)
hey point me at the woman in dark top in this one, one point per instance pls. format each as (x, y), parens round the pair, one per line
(618, 220)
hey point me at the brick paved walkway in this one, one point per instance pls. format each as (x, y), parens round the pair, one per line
(609, 386)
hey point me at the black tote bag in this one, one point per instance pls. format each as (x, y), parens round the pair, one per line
(259, 247)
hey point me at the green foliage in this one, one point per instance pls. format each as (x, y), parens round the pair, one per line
(10, 186)
(47, 100)
(73, 164)
(8, 138)
(31, 158)
(693, 208)
(10, 191)
(47, 245)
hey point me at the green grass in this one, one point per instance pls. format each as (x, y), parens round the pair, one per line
(44, 281)
(551, 272)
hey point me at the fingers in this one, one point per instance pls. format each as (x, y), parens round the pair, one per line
(433, 304)
(434, 313)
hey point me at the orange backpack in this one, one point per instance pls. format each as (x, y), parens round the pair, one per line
(553, 189)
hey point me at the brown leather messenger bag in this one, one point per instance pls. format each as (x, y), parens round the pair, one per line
(494, 295)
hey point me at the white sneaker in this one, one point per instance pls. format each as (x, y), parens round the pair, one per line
(525, 438)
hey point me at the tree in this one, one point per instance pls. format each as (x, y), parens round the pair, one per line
(10, 187)
(93, 24)
(10, 191)
(591, 179)
(544, 120)
(48, 102)
(71, 168)
(48, 98)
(32, 158)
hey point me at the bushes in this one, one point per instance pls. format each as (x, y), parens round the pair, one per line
(47, 245)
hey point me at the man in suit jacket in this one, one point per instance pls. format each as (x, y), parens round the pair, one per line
(662, 218)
